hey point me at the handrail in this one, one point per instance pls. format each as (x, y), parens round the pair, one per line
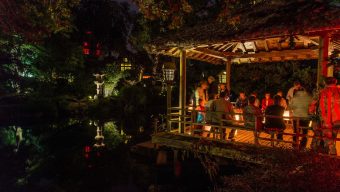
(188, 120)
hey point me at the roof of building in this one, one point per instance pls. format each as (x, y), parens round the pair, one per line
(275, 31)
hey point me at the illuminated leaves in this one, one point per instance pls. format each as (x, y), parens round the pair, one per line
(169, 11)
(35, 19)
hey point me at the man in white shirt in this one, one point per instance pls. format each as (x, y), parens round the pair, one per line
(290, 94)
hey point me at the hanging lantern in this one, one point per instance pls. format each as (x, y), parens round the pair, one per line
(169, 71)
(222, 77)
(86, 48)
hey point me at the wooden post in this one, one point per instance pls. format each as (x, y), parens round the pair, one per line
(297, 136)
(168, 105)
(323, 58)
(182, 88)
(228, 72)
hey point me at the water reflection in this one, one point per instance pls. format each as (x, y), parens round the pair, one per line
(99, 137)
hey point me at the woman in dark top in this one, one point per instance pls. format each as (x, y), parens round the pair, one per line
(275, 124)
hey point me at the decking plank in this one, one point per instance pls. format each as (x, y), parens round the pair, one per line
(242, 137)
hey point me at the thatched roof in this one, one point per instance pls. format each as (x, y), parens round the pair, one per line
(275, 19)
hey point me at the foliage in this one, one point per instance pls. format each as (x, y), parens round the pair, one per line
(35, 20)
(272, 77)
(8, 136)
(175, 14)
(113, 76)
(109, 21)
(112, 135)
(291, 171)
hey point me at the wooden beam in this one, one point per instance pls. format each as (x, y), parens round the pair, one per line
(210, 52)
(239, 45)
(225, 46)
(279, 53)
(279, 45)
(198, 57)
(307, 40)
(173, 50)
(228, 72)
(182, 87)
(265, 45)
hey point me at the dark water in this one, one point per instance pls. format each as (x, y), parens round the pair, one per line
(62, 157)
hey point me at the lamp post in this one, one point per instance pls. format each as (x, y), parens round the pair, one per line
(100, 84)
(168, 75)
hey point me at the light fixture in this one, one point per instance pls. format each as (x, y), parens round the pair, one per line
(222, 77)
(169, 72)
(125, 65)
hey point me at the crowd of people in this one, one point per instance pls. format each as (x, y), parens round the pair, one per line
(213, 104)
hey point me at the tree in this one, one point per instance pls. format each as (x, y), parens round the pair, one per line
(36, 19)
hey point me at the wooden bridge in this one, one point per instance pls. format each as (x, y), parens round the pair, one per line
(247, 144)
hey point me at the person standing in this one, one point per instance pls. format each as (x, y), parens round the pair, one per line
(201, 93)
(290, 94)
(299, 106)
(329, 109)
(213, 86)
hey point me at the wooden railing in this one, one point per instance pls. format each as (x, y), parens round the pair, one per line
(218, 131)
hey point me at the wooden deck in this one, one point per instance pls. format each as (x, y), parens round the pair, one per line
(242, 147)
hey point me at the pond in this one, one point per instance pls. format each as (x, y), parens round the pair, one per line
(90, 155)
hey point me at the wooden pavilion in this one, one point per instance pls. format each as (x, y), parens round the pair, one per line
(290, 30)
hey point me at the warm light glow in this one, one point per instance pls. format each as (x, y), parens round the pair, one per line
(222, 77)
(86, 51)
(146, 76)
(125, 65)
(286, 114)
(237, 117)
(169, 74)
(310, 124)
(207, 128)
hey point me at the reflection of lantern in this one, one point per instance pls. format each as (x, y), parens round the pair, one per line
(86, 48)
(99, 138)
(125, 65)
(87, 150)
(169, 72)
(98, 52)
(222, 77)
